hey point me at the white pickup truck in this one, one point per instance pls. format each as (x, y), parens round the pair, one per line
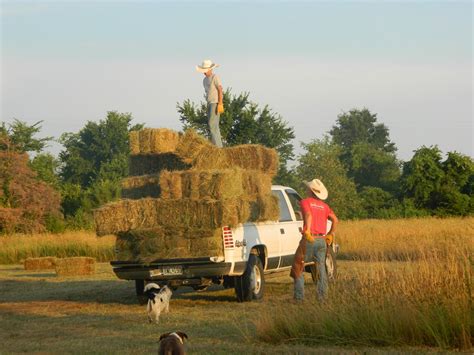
(251, 251)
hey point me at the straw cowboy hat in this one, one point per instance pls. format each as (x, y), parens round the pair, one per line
(206, 65)
(318, 188)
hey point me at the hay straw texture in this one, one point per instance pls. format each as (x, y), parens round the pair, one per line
(148, 213)
(44, 263)
(136, 187)
(214, 184)
(152, 164)
(153, 141)
(148, 245)
(75, 266)
(202, 155)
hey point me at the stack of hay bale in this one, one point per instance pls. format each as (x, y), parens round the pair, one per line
(182, 190)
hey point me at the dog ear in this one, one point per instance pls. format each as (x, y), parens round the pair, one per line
(182, 335)
(165, 335)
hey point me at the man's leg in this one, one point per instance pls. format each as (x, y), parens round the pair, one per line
(322, 285)
(213, 121)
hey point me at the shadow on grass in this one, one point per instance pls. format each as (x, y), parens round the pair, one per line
(94, 291)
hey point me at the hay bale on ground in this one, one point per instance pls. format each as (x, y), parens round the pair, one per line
(148, 245)
(43, 263)
(75, 266)
(136, 187)
(153, 141)
(143, 164)
(195, 150)
(149, 213)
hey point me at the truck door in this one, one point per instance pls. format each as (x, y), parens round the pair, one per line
(288, 228)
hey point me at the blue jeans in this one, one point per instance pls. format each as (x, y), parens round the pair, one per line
(314, 252)
(213, 121)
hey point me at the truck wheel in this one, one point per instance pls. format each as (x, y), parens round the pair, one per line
(331, 267)
(251, 284)
(139, 288)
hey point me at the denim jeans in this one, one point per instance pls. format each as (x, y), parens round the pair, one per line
(315, 251)
(213, 121)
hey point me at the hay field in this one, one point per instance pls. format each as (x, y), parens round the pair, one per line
(391, 301)
(16, 248)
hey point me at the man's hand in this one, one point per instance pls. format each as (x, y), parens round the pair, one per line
(309, 237)
(220, 108)
(329, 239)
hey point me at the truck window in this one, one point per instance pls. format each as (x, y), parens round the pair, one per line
(285, 215)
(295, 203)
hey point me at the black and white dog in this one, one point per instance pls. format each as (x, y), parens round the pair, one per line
(158, 301)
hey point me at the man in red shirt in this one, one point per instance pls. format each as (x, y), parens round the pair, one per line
(316, 213)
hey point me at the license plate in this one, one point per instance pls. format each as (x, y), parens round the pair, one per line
(167, 270)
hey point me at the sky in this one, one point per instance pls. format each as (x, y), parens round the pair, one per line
(410, 62)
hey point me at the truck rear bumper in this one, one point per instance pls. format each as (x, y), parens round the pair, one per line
(170, 269)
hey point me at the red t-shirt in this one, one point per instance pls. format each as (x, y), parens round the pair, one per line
(319, 211)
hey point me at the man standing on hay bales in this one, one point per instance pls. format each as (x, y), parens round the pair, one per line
(215, 106)
(313, 245)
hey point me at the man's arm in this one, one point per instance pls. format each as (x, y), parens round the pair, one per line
(219, 94)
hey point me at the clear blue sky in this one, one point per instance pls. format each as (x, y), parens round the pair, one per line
(67, 62)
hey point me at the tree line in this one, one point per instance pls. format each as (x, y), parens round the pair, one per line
(356, 160)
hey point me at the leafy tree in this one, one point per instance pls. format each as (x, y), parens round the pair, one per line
(97, 147)
(93, 162)
(46, 167)
(244, 122)
(422, 176)
(26, 204)
(321, 160)
(22, 137)
(367, 151)
(378, 203)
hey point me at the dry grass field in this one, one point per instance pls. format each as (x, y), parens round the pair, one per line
(403, 286)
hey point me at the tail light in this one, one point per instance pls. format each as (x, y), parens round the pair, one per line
(228, 238)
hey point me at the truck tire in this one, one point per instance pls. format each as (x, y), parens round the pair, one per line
(331, 267)
(139, 288)
(251, 284)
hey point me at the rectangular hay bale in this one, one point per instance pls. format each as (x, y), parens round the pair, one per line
(153, 141)
(143, 164)
(136, 187)
(125, 215)
(43, 263)
(75, 266)
(203, 155)
(148, 245)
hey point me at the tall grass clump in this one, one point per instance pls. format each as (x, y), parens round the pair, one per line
(16, 248)
(403, 239)
(427, 302)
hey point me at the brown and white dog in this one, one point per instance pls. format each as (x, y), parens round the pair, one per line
(158, 301)
(172, 343)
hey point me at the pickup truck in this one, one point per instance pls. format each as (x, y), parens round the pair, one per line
(251, 251)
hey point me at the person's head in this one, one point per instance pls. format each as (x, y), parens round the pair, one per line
(206, 67)
(315, 188)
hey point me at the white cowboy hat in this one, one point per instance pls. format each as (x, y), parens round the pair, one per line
(206, 65)
(318, 188)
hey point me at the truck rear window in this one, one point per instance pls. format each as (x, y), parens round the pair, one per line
(295, 203)
(285, 215)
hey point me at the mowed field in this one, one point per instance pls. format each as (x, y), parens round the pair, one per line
(403, 285)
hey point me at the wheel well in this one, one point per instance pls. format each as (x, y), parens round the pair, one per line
(261, 252)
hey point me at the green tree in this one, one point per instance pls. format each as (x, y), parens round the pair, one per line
(46, 167)
(367, 151)
(89, 154)
(22, 137)
(422, 176)
(92, 164)
(244, 122)
(321, 160)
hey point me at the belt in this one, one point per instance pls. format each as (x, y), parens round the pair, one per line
(318, 235)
